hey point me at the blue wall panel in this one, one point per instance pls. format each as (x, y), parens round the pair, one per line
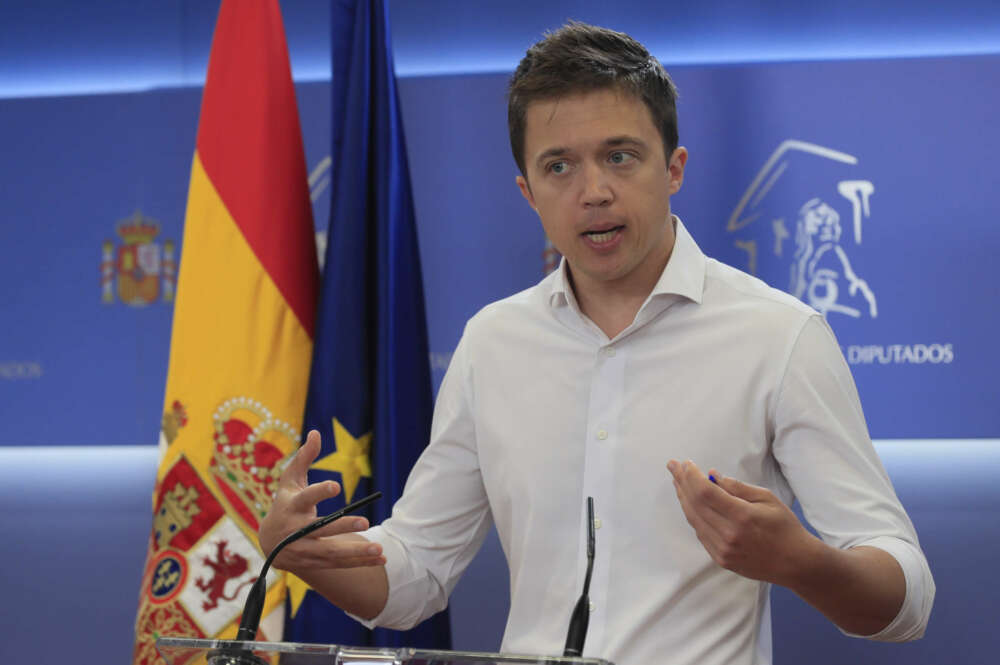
(919, 242)
(80, 373)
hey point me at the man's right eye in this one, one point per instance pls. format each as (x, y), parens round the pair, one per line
(558, 167)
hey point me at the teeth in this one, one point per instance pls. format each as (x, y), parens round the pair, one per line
(600, 238)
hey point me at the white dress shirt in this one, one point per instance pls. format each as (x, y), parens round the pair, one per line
(539, 410)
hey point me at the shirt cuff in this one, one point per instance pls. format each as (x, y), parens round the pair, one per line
(408, 590)
(911, 621)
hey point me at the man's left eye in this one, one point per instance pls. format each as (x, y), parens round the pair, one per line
(619, 157)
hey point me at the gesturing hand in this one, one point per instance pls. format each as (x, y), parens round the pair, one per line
(294, 506)
(744, 528)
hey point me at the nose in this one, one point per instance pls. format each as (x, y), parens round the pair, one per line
(596, 188)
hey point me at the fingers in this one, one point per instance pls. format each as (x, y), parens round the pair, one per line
(296, 473)
(719, 510)
(305, 500)
(293, 505)
(330, 553)
(295, 509)
(744, 528)
(343, 525)
(742, 490)
(695, 493)
(705, 496)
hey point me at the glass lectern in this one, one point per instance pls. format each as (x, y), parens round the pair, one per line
(182, 650)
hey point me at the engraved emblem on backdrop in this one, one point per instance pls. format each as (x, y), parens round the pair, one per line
(809, 241)
(801, 226)
(139, 270)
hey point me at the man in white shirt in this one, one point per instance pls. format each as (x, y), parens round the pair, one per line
(638, 352)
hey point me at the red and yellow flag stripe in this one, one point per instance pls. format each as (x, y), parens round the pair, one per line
(241, 342)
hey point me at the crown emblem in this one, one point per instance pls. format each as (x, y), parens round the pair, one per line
(249, 446)
(137, 230)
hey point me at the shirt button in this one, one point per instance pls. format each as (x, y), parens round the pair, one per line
(597, 523)
(609, 351)
(602, 434)
(592, 606)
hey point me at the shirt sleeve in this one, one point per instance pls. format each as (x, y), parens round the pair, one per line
(443, 516)
(822, 445)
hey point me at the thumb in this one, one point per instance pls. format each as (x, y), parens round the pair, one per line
(741, 490)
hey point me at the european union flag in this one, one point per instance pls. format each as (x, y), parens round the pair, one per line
(370, 388)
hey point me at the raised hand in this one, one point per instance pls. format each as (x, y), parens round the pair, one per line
(294, 506)
(744, 528)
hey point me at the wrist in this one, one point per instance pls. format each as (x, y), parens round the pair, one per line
(810, 561)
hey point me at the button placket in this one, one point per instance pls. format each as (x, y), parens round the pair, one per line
(602, 448)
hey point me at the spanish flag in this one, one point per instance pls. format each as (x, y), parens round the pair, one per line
(241, 343)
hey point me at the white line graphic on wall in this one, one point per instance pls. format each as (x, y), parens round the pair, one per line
(820, 272)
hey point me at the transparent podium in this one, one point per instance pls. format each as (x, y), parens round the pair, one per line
(181, 650)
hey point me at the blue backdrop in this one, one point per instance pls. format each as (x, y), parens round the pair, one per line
(866, 184)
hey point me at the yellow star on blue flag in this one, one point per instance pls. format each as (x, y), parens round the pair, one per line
(350, 459)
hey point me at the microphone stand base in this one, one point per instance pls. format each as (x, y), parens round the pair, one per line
(233, 657)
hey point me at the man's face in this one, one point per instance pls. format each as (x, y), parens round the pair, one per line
(597, 176)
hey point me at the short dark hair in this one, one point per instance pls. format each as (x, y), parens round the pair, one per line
(582, 58)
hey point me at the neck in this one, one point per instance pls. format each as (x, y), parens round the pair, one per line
(613, 305)
(611, 315)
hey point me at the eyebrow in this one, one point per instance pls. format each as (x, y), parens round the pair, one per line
(612, 142)
(624, 139)
(557, 151)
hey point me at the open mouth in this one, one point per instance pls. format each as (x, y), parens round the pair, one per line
(602, 237)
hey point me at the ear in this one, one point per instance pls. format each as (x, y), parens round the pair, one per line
(525, 188)
(675, 169)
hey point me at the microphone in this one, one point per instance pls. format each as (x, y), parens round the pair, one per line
(577, 633)
(255, 599)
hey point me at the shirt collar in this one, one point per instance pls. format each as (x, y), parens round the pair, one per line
(684, 274)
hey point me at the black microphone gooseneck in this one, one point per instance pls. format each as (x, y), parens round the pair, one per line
(577, 633)
(255, 599)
